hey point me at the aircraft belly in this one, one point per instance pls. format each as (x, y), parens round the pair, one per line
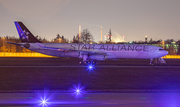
(144, 55)
(72, 54)
(120, 54)
(125, 54)
(130, 54)
(133, 55)
(111, 56)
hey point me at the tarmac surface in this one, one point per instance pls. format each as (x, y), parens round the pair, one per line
(28, 74)
(90, 99)
(126, 83)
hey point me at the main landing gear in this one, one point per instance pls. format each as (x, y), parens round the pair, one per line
(157, 61)
(88, 62)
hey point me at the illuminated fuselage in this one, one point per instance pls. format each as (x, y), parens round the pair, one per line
(99, 51)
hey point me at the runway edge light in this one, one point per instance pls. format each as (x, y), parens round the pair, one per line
(43, 102)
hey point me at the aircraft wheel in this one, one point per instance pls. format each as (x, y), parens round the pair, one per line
(80, 62)
(94, 62)
(89, 62)
(85, 62)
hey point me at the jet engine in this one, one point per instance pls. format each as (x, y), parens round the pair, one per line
(97, 57)
(72, 54)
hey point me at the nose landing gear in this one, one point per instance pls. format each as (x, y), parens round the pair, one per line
(157, 61)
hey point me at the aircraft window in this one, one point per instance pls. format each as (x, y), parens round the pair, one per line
(161, 49)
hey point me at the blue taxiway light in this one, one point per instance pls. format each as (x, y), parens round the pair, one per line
(44, 102)
(90, 67)
(77, 91)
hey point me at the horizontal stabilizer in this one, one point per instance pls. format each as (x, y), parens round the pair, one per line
(15, 43)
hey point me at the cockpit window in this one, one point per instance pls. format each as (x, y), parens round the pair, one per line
(161, 49)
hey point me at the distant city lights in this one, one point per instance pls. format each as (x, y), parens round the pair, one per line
(117, 38)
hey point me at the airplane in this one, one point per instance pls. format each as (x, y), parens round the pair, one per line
(89, 53)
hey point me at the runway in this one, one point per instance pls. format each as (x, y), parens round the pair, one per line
(54, 99)
(6, 61)
(83, 66)
(125, 83)
(29, 74)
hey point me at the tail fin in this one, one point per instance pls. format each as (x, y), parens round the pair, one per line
(24, 34)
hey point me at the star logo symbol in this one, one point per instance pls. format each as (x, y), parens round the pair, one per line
(26, 33)
(24, 37)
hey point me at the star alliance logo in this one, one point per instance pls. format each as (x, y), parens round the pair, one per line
(24, 37)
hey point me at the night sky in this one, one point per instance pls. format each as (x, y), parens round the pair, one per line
(158, 19)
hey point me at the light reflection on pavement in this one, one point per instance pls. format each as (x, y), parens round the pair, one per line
(92, 99)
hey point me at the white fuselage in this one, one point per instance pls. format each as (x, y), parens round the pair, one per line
(110, 51)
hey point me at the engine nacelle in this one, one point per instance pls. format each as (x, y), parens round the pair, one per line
(72, 54)
(97, 57)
